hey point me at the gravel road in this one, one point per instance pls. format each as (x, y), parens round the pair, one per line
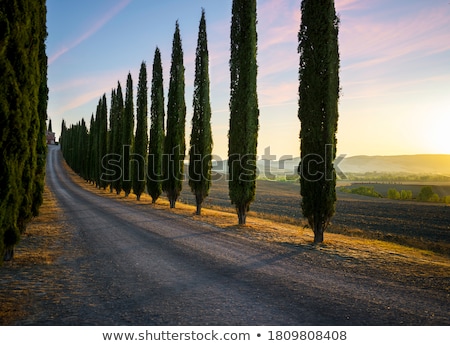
(134, 265)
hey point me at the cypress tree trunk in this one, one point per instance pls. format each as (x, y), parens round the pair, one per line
(242, 214)
(244, 110)
(174, 144)
(201, 136)
(198, 201)
(156, 141)
(318, 111)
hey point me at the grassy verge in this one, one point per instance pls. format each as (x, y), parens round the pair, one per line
(36, 253)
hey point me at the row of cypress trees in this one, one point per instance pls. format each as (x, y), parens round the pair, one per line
(119, 157)
(318, 114)
(23, 115)
(166, 151)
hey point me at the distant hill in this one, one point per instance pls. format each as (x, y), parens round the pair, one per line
(436, 164)
(407, 164)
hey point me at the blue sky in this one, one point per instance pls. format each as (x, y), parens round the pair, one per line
(395, 72)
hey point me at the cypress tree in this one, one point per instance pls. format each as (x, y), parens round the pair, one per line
(22, 36)
(118, 135)
(156, 141)
(244, 112)
(318, 111)
(82, 149)
(127, 136)
(102, 140)
(50, 126)
(141, 137)
(201, 137)
(41, 149)
(61, 137)
(112, 133)
(92, 151)
(96, 147)
(174, 144)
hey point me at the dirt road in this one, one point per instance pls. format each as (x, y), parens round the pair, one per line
(134, 265)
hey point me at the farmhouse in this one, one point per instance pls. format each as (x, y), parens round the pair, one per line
(50, 137)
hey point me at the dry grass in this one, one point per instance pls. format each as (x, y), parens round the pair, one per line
(38, 249)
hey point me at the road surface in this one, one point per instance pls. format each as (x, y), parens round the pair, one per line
(134, 265)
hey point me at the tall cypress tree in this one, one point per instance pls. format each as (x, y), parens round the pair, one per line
(201, 137)
(318, 111)
(39, 180)
(174, 144)
(118, 136)
(156, 141)
(244, 112)
(112, 133)
(141, 138)
(23, 76)
(102, 140)
(92, 151)
(127, 136)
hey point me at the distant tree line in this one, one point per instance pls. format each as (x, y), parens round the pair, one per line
(426, 194)
(23, 115)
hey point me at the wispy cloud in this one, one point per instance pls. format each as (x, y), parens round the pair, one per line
(77, 92)
(366, 42)
(91, 31)
(348, 5)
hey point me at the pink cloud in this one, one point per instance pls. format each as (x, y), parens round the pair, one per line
(369, 42)
(347, 5)
(278, 23)
(91, 31)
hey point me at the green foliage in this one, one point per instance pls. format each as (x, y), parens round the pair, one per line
(446, 199)
(174, 144)
(23, 103)
(403, 194)
(127, 136)
(244, 112)
(117, 114)
(41, 144)
(393, 194)
(102, 140)
(201, 136)
(318, 111)
(435, 198)
(141, 138)
(406, 195)
(366, 191)
(156, 141)
(426, 194)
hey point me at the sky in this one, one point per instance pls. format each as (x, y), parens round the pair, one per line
(394, 75)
